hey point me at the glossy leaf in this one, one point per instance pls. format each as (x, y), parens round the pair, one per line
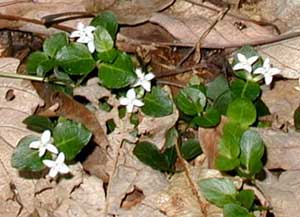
(107, 56)
(170, 155)
(190, 101)
(119, 74)
(218, 191)
(216, 87)
(27, 159)
(70, 137)
(246, 197)
(242, 89)
(261, 108)
(224, 163)
(210, 118)
(235, 210)
(54, 43)
(107, 20)
(151, 156)
(242, 111)
(38, 123)
(190, 149)
(252, 150)
(103, 40)
(38, 63)
(157, 103)
(171, 137)
(75, 59)
(222, 102)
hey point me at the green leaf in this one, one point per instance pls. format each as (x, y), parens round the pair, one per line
(232, 133)
(261, 108)
(157, 103)
(107, 20)
(107, 56)
(297, 119)
(242, 111)
(190, 149)
(38, 63)
(170, 155)
(75, 59)
(70, 137)
(54, 43)
(119, 74)
(151, 156)
(242, 89)
(38, 123)
(216, 87)
(190, 101)
(171, 137)
(222, 102)
(218, 191)
(210, 118)
(103, 40)
(27, 159)
(234, 210)
(246, 197)
(252, 150)
(224, 163)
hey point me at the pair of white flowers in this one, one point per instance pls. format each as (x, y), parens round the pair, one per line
(131, 100)
(266, 70)
(45, 144)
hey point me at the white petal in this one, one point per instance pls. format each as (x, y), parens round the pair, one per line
(131, 94)
(248, 68)
(91, 46)
(90, 28)
(63, 168)
(238, 66)
(49, 163)
(252, 60)
(266, 63)
(137, 83)
(241, 58)
(46, 137)
(138, 103)
(75, 34)
(83, 39)
(260, 70)
(53, 172)
(274, 71)
(147, 85)
(80, 26)
(35, 144)
(124, 101)
(42, 151)
(268, 79)
(129, 108)
(61, 158)
(149, 76)
(52, 148)
(139, 72)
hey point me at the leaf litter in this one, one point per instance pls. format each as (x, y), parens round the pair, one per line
(155, 193)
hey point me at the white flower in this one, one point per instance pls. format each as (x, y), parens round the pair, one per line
(57, 166)
(144, 80)
(44, 144)
(267, 71)
(245, 63)
(130, 100)
(85, 35)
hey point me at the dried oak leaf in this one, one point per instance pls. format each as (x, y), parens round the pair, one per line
(13, 111)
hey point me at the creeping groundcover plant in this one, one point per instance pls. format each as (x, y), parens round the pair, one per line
(67, 60)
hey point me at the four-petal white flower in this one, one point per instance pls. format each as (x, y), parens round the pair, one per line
(57, 166)
(45, 143)
(85, 35)
(267, 71)
(130, 100)
(245, 63)
(144, 80)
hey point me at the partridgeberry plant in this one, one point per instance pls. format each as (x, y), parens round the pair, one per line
(90, 50)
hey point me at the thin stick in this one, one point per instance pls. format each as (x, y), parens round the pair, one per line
(170, 83)
(180, 71)
(193, 186)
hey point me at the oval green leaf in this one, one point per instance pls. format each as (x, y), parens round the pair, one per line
(38, 123)
(119, 74)
(54, 43)
(103, 40)
(157, 103)
(27, 159)
(75, 59)
(242, 89)
(217, 87)
(190, 149)
(210, 118)
(235, 210)
(38, 63)
(107, 20)
(70, 137)
(242, 111)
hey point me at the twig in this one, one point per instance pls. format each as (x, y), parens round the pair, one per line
(61, 17)
(197, 46)
(170, 83)
(193, 186)
(180, 70)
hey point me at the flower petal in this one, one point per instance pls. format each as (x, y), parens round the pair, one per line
(52, 148)
(274, 71)
(252, 60)
(42, 151)
(138, 103)
(129, 108)
(80, 26)
(53, 172)
(35, 144)
(131, 94)
(49, 163)
(147, 86)
(268, 79)
(124, 101)
(238, 66)
(60, 158)
(267, 63)
(139, 73)
(242, 58)
(46, 137)
(260, 70)
(83, 39)
(63, 168)
(75, 34)
(91, 46)
(149, 76)
(90, 29)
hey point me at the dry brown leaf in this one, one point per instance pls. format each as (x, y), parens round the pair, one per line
(13, 112)
(283, 193)
(283, 149)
